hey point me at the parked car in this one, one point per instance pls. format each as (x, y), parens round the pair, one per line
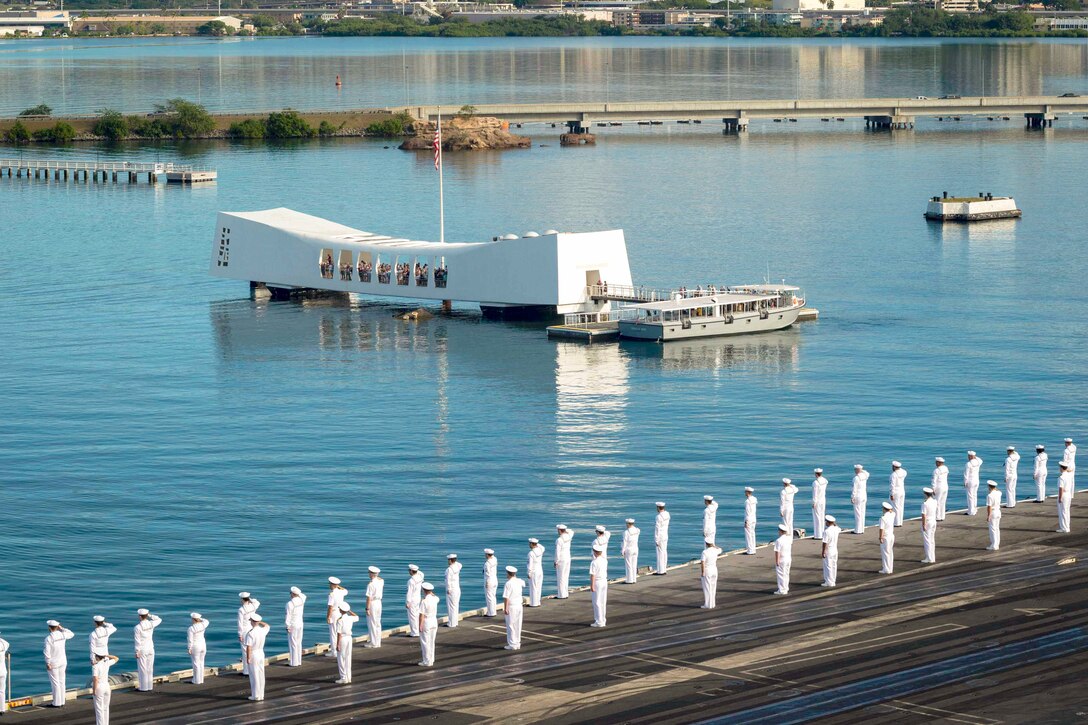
(950, 98)
(1069, 95)
(921, 98)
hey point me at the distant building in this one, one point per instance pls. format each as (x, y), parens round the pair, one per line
(1062, 23)
(957, 6)
(34, 23)
(798, 6)
(183, 24)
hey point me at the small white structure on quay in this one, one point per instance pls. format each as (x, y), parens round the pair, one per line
(971, 208)
(532, 275)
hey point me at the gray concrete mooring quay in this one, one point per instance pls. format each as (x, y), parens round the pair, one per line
(980, 637)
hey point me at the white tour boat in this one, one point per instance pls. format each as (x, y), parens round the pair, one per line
(736, 310)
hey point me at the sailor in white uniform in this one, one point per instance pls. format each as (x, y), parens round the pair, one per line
(819, 503)
(603, 536)
(453, 590)
(99, 639)
(375, 590)
(144, 636)
(534, 570)
(785, 503)
(939, 484)
(412, 596)
(56, 658)
(993, 516)
(831, 551)
(783, 557)
(598, 586)
(629, 551)
(1012, 462)
(491, 581)
(100, 687)
(345, 639)
(929, 527)
(197, 645)
(708, 566)
(4, 647)
(970, 481)
(859, 495)
(293, 621)
(887, 539)
(1065, 496)
(428, 624)
(563, 537)
(750, 504)
(661, 538)
(1069, 455)
(248, 606)
(897, 485)
(710, 517)
(1039, 473)
(254, 643)
(332, 611)
(512, 607)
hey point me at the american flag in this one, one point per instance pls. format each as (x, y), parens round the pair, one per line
(437, 144)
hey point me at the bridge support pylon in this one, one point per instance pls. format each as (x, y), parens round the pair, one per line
(737, 124)
(1039, 120)
(889, 122)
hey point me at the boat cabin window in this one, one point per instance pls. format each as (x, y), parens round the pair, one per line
(403, 269)
(366, 266)
(422, 272)
(440, 272)
(347, 267)
(324, 263)
(385, 270)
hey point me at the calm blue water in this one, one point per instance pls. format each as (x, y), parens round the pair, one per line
(166, 442)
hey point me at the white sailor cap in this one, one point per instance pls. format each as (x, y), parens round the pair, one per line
(413, 567)
(52, 623)
(334, 580)
(1040, 447)
(708, 542)
(489, 551)
(786, 481)
(296, 590)
(427, 587)
(628, 521)
(940, 459)
(534, 541)
(258, 618)
(783, 528)
(817, 470)
(829, 519)
(887, 506)
(374, 570)
(98, 618)
(143, 612)
(928, 490)
(561, 527)
(897, 464)
(1068, 440)
(708, 498)
(749, 489)
(970, 453)
(1010, 448)
(660, 504)
(345, 607)
(451, 556)
(1063, 464)
(244, 595)
(599, 529)
(511, 570)
(598, 547)
(195, 615)
(858, 466)
(992, 484)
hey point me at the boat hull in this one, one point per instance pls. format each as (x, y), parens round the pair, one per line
(710, 327)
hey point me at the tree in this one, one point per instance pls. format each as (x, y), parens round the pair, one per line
(287, 124)
(39, 110)
(111, 125)
(157, 29)
(17, 133)
(214, 27)
(466, 112)
(184, 119)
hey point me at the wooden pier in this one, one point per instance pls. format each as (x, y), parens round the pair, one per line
(104, 171)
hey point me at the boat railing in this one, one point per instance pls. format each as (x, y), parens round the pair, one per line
(626, 293)
(589, 319)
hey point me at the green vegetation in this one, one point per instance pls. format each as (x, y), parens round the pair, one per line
(460, 28)
(391, 127)
(60, 133)
(287, 124)
(249, 128)
(183, 119)
(214, 27)
(111, 125)
(17, 134)
(39, 110)
(327, 129)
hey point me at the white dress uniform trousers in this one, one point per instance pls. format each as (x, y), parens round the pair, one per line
(374, 592)
(750, 504)
(344, 645)
(1012, 463)
(661, 540)
(887, 547)
(1065, 484)
(491, 584)
(535, 571)
(939, 484)
(709, 579)
(254, 640)
(562, 565)
(428, 609)
(4, 646)
(453, 593)
(411, 602)
(859, 495)
(598, 573)
(56, 658)
(819, 506)
(144, 635)
(929, 531)
(831, 561)
(783, 546)
(897, 482)
(102, 691)
(512, 592)
(198, 648)
(336, 598)
(970, 483)
(294, 620)
(1039, 474)
(785, 500)
(629, 550)
(993, 501)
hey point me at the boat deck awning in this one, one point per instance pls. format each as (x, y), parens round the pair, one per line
(768, 289)
(687, 303)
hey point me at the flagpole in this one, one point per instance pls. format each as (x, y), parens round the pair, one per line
(441, 199)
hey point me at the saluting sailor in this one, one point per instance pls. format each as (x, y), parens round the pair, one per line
(411, 599)
(512, 607)
(939, 484)
(819, 503)
(750, 503)
(197, 645)
(993, 516)
(254, 643)
(785, 503)
(1065, 496)
(332, 611)
(970, 481)
(831, 551)
(1012, 462)
(345, 639)
(56, 659)
(661, 538)
(598, 586)
(534, 569)
(603, 535)
(99, 638)
(783, 557)
(100, 687)
(248, 606)
(859, 495)
(887, 539)
(491, 581)
(374, 592)
(453, 590)
(629, 551)
(1069, 455)
(4, 647)
(562, 561)
(1039, 473)
(144, 637)
(929, 527)
(708, 566)
(293, 621)
(428, 624)
(710, 517)
(898, 490)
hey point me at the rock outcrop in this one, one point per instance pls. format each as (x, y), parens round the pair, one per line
(465, 134)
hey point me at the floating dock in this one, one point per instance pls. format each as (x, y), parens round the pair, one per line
(971, 208)
(104, 171)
